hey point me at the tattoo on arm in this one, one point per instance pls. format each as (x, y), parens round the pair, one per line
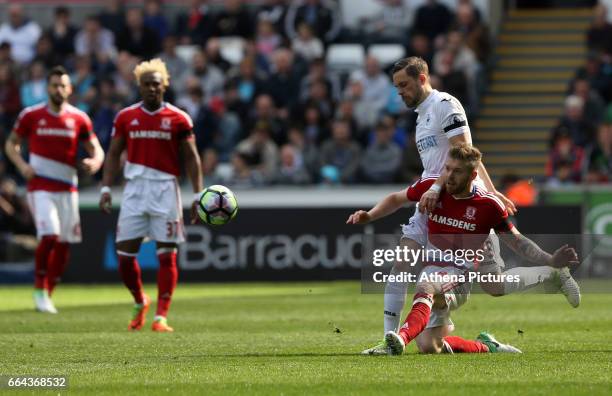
(528, 249)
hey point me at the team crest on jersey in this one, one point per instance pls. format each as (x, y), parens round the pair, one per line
(166, 123)
(69, 123)
(470, 213)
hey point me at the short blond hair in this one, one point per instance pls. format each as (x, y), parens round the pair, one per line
(153, 66)
(467, 153)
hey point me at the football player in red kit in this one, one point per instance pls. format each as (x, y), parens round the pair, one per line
(468, 213)
(53, 131)
(154, 133)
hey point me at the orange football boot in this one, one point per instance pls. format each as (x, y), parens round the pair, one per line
(139, 314)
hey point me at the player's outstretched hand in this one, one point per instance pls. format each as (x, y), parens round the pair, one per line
(428, 201)
(194, 212)
(359, 217)
(106, 202)
(565, 256)
(91, 165)
(510, 206)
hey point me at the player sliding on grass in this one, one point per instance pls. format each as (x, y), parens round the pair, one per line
(153, 132)
(441, 124)
(53, 131)
(466, 212)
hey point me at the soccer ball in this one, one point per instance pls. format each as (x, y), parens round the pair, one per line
(217, 205)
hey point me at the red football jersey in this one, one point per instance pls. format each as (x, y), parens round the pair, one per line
(472, 217)
(53, 143)
(152, 140)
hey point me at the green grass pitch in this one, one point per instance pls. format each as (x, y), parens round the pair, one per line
(281, 338)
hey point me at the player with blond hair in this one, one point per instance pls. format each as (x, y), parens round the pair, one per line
(154, 133)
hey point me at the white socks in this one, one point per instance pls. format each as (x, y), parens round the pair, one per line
(395, 298)
(529, 277)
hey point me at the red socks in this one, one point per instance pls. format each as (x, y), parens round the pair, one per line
(130, 273)
(58, 262)
(42, 256)
(417, 318)
(461, 345)
(167, 277)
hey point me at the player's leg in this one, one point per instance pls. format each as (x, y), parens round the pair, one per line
(167, 229)
(529, 277)
(44, 210)
(431, 340)
(70, 232)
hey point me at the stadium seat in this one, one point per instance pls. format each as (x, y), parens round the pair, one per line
(345, 57)
(232, 48)
(386, 54)
(185, 52)
(352, 16)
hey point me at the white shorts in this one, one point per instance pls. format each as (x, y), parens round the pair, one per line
(455, 295)
(56, 213)
(416, 229)
(151, 208)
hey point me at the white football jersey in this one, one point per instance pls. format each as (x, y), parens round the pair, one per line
(440, 117)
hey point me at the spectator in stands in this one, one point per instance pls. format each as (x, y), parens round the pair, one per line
(375, 88)
(520, 191)
(565, 160)
(205, 122)
(363, 111)
(21, 33)
(451, 80)
(10, 99)
(5, 55)
(243, 175)
(210, 171)
(210, 77)
(323, 17)
(411, 167)
(62, 32)
(177, 67)
(599, 35)
(15, 215)
(600, 157)
(260, 151)
(306, 44)
(196, 25)
(390, 25)
(382, 158)
(593, 71)
(113, 16)
(433, 19)
(233, 20)
(154, 18)
(213, 53)
(229, 128)
(319, 96)
(420, 46)
(266, 113)
(34, 88)
(46, 54)
(104, 110)
(82, 83)
(284, 83)
(136, 38)
(94, 40)
(315, 126)
(267, 40)
(574, 123)
(340, 155)
(317, 70)
(247, 80)
(292, 169)
(476, 33)
(594, 106)
(308, 151)
(273, 11)
(125, 84)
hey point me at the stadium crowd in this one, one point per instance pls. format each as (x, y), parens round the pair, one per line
(279, 115)
(581, 142)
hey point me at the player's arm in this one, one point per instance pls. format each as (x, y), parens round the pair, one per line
(111, 167)
(194, 171)
(390, 204)
(12, 147)
(96, 155)
(530, 251)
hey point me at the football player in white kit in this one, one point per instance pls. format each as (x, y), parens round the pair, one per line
(442, 123)
(153, 133)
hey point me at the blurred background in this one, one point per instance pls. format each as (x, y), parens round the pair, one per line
(295, 111)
